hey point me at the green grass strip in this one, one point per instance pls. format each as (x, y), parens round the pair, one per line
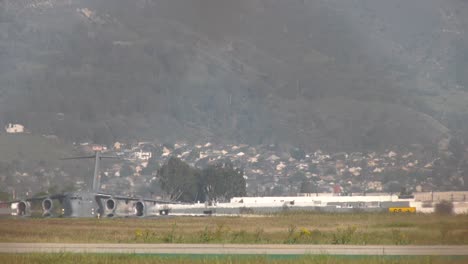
(66, 258)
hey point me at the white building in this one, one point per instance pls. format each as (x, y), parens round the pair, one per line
(142, 155)
(14, 128)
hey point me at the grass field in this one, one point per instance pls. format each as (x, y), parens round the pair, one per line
(142, 259)
(291, 228)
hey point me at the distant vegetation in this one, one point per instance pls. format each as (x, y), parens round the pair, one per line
(25, 147)
(34, 155)
(217, 182)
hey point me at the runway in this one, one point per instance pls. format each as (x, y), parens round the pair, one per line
(234, 249)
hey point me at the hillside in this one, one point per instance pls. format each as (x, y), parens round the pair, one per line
(338, 75)
(32, 148)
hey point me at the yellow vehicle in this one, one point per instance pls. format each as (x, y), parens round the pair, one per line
(402, 209)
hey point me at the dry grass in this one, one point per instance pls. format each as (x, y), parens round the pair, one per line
(362, 228)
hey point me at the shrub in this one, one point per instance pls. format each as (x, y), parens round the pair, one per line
(344, 236)
(444, 231)
(171, 236)
(220, 232)
(304, 232)
(206, 235)
(259, 235)
(444, 208)
(399, 237)
(240, 236)
(138, 234)
(292, 238)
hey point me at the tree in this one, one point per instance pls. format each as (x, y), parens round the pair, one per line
(308, 186)
(4, 196)
(152, 166)
(69, 188)
(53, 189)
(278, 190)
(222, 181)
(444, 208)
(297, 153)
(179, 180)
(392, 187)
(297, 177)
(126, 171)
(194, 155)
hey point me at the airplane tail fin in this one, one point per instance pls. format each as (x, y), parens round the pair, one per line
(97, 166)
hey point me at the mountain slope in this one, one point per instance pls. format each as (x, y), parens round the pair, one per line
(330, 74)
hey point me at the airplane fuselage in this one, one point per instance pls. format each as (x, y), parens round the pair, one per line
(81, 204)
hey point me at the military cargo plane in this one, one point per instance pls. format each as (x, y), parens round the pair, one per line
(92, 203)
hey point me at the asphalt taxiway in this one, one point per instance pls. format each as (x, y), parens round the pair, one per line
(235, 249)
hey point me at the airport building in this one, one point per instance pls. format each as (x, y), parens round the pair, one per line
(317, 203)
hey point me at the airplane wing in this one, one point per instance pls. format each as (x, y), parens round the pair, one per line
(133, 198)
(144, 199)
(32, 199)
(160, 201)
(22, 207)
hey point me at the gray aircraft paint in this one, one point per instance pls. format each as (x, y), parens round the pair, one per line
(89, 204)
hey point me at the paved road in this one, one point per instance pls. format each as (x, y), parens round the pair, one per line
(233, 249)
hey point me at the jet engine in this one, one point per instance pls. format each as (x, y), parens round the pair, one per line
(47, 207)
(110, 207)
(23, 208)
(140, 209)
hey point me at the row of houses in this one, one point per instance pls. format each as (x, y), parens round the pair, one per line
(268, 169)
(271, 170)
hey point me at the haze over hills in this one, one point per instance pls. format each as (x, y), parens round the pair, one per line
(338, 75)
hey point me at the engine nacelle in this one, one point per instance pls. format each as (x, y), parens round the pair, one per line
(140, 209)
(47, 207)
(23, 208)
(109, 207)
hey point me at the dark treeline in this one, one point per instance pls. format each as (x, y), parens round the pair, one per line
(217, 182)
